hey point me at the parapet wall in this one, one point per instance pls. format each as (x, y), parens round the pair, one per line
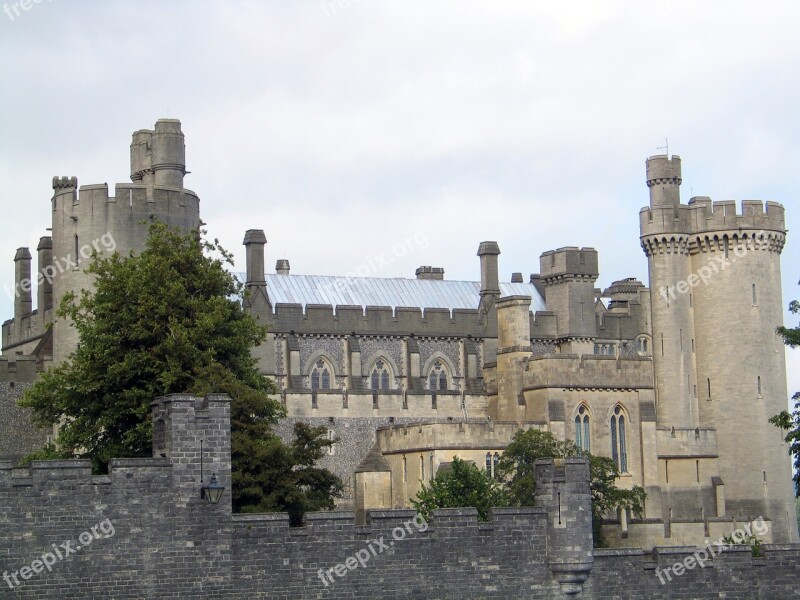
(588, 371)
(702, 215)
(379, 320)
(93, 202)
(144, 532)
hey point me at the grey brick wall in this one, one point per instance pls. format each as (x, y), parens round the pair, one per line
(155, 538)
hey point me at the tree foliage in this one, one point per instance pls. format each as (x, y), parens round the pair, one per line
(463, 484)
(790, 422)
(170, 320)
(516, 467)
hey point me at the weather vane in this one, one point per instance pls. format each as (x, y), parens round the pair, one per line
(665, 146)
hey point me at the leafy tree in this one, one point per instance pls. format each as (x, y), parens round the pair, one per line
(274, 476)
(168, 320)
(462, 485)
(516, 467)
(790, 422)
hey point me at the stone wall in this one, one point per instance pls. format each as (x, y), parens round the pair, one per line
(18, 435)
(143, 531)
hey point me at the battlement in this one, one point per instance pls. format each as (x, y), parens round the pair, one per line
(568, 262)
(375, 320)
(588, 371)
(702, 215)
(88, 200)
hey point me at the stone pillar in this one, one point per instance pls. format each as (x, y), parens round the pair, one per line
(22, 285)
(180, 423)
(562, 488)
(44, 291)
(513, 348)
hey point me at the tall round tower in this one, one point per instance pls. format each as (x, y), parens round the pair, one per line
(89, 219)
(740, 359)
(665, 239)
(716, 300)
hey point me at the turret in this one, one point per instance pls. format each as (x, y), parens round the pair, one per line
(664, 180)
(569, 275)
(158, 157)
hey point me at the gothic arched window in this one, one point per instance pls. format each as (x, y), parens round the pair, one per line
(437, 378)
(321, 376)
(619, 453)
(582, 435)
(379, 379)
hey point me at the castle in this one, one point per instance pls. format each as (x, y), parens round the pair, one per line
(674, 382)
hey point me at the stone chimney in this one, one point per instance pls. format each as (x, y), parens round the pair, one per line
(424, 272)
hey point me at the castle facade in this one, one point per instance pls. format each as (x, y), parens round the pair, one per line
(674, 382)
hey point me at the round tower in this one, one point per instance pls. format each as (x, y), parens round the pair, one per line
(740, 360)
(90, 219)
(665, 239)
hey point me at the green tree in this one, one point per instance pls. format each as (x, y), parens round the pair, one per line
(463, 484)
(790, 422)
(278, 477)
(516, 468)
(167, 320)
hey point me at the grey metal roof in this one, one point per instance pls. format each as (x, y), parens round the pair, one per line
(393, 292)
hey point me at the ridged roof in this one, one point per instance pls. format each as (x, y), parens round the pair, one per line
(374, 462)
(392, 292)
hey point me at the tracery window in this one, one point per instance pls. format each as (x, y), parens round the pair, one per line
(379, 379)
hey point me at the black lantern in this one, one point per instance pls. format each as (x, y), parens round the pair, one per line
(213, 491)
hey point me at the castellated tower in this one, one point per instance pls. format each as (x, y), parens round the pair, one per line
(569, 275)
(716, 301)
(87, 218)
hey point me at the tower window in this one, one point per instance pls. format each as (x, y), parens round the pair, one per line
(422, 467)
(708, 382)
(755, 302)
(619, 452)
(759, 386)
(405, 469)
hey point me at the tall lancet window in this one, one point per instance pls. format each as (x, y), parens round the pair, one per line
(619, 452)
(582, 430)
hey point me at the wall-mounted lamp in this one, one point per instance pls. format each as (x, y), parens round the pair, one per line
(213, 490)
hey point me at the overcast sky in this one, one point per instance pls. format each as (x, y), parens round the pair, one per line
(413, 130)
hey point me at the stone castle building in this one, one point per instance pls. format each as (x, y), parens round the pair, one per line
(674, 382)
